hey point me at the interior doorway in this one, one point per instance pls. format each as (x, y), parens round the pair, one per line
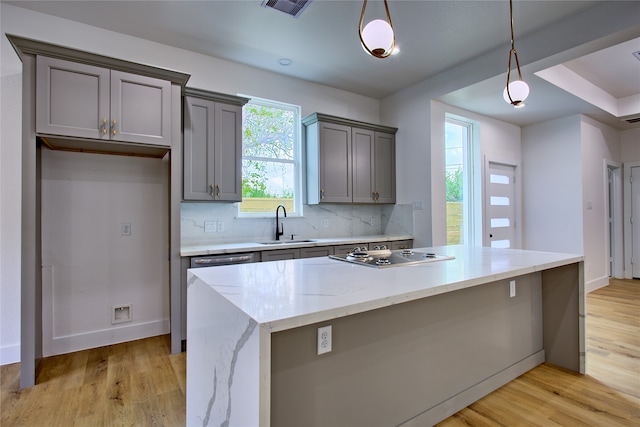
(631, 210)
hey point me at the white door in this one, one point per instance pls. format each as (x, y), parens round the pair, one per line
(500, 206)
(635, 221)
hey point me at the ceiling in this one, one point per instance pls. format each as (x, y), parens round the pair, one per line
(323, 45)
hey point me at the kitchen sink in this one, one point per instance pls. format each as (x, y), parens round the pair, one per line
(282, 242)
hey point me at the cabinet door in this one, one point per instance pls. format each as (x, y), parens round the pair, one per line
(140, 109)
(385, 168)
(347, 249)
(198, 152)
(362, 150)
(401, 244)
(316, 251)
(228, 153)
(280, 254)
(335, 163)
(72, 99)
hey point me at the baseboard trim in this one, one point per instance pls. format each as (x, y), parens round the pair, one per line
(9, 354)
(596, 284)
(465, 398)
(93, 339)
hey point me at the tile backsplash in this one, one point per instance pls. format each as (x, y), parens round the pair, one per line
(217, 223)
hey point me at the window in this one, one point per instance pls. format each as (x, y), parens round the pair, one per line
(459, 178)
(271, 171)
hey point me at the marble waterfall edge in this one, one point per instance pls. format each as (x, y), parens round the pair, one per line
(231, 383)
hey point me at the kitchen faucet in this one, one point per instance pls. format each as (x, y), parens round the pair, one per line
(280, 231)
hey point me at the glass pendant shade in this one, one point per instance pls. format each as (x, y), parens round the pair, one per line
(377, 35)
(519, 91)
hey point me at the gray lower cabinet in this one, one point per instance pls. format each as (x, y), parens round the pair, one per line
(401, 244)
(346, 249)
(280, 254)
(212, 146)
(349, 161)
(86, 101)
(316, 251)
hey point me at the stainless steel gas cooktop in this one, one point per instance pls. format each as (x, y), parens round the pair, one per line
(386, 258)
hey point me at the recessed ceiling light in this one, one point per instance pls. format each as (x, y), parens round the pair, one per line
(285, 62)
(637, 55)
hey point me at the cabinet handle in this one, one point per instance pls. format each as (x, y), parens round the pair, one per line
(103, 126)
(322, 193)
(218, 190)
(114, 128)
(211, 190)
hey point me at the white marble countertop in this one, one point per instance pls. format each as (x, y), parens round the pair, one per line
(227, 248)
(281, 295)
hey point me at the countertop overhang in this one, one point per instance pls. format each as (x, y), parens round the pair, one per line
(281, 295)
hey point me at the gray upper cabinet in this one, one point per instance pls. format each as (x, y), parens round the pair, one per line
(212, 146)
(86, 101)
(349, 161)
(329, 169)
(384, 167)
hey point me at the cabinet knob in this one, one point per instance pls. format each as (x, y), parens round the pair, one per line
(322, 193)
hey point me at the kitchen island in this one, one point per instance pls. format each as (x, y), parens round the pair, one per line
(410, 345)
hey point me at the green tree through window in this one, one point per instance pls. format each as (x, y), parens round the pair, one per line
(270, 166)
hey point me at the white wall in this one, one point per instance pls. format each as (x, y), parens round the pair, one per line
(552, 186)
(600, 147)
(565, 190)
(88, 266)
(206, 73)
(630, 145)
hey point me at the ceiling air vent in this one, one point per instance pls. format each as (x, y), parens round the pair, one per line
(290, 7)
(631, 118)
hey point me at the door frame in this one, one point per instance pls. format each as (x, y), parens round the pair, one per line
(628, 237)
(613, 203)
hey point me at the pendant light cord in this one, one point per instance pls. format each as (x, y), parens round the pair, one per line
(512, 52)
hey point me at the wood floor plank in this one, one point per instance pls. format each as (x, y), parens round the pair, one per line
(140, 383)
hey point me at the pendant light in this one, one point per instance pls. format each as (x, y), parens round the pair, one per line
(516, 91)
(377, 38)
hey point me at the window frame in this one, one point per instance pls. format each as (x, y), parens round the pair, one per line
(471, 187)
(298, 195)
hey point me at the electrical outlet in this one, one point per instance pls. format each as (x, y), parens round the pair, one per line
(324, 339)
(125, 229)
(209, 226)
(372, 221)
(417, 205)
(512, 289)
(220, 226)
(326, 223)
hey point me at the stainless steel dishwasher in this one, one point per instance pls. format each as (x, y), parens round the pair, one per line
(226, 259)
(209, 261)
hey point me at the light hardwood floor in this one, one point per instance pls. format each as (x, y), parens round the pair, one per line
(140, 384)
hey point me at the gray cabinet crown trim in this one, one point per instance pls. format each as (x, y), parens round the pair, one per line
(319, 117)
(27, 46)
(216, 96)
